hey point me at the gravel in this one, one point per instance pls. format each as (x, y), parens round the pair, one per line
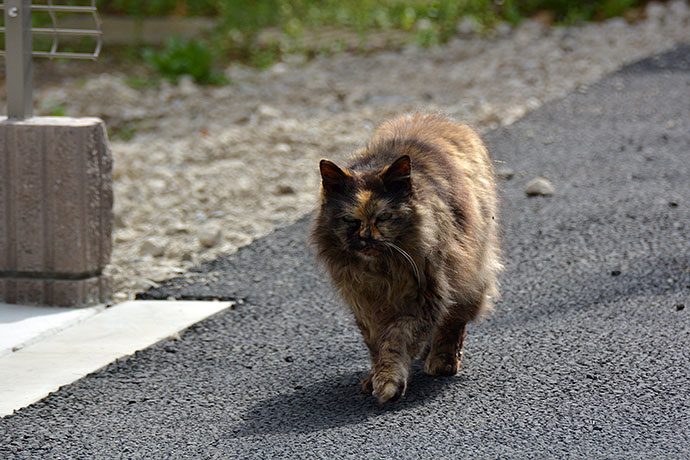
(210, 169)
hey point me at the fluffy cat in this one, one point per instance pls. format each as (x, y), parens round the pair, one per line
(408, 234)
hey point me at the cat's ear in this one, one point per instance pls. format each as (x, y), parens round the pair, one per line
(332, 177)
(397, 176)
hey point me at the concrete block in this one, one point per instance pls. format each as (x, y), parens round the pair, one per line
(56, 197)
(29, 291)
(3, 289)
(61, 293)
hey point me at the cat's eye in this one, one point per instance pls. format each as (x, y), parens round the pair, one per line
(350, 220)
(384, 216)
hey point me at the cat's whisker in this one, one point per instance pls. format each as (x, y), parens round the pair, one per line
(408, 257)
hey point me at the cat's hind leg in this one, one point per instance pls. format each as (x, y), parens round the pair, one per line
(448, 337)
(445, 355)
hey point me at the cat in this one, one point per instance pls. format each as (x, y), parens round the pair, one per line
(407, 230)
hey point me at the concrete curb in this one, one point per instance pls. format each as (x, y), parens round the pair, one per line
(23, 325)
(34, 371)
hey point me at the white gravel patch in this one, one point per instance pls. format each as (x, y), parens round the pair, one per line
(210, 169)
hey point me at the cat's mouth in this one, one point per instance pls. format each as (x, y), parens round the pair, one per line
(369, 248)
(370, 252)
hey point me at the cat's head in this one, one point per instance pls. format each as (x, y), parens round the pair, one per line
(367, 210)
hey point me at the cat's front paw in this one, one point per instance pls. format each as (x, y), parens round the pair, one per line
(388, 387)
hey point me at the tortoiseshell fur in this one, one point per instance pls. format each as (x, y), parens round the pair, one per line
(407, 231)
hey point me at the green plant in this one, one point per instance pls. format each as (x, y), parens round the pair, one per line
(427, 33)
(182, 57)
(241, 24)
(159, 7)
(568, 11)
(124, 132)
(57, 110)
(141, 82)
(263, 57)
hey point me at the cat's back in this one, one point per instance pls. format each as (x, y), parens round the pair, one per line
(434, 143)
(424, 127)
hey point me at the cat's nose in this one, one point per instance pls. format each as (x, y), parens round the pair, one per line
(365, 233)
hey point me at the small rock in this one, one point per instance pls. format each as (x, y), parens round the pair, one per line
(568, 43)
(423, 24)
(294, 58)
(533, 103)
(278, 68)
(679, 9)
(119, 220)
(655, 11)
(355, 97)
(157, 274)
(539, 187)
(468, 26)
(503, 29)
(210, 236)
(505, 173)
(186, 86)
(282, 148)
(512, 114)
(266, 112)
(158, 185)
(120, 297)
(617, 23)
(113, 86)
(126, 234)
(238, 238)
(177, 227)
(283, 189)
(153, 247)
(529, 31)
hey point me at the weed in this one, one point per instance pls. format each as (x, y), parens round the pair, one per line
(182, 57)
(140, 82)
(159, 7)
(57, 110)
(124, 132)
(241, 22)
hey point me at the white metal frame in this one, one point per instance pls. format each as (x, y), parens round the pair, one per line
(19, 41)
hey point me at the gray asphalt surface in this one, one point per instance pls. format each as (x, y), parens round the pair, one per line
(587, 355)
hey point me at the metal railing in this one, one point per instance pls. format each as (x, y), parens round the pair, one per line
(19, 51)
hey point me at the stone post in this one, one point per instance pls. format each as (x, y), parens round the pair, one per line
(56, 197)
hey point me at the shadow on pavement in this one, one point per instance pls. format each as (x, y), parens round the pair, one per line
(333, 402)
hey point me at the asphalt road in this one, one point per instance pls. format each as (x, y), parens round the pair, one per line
(587, 355)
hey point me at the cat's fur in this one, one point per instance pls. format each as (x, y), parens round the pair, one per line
(408, 233)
